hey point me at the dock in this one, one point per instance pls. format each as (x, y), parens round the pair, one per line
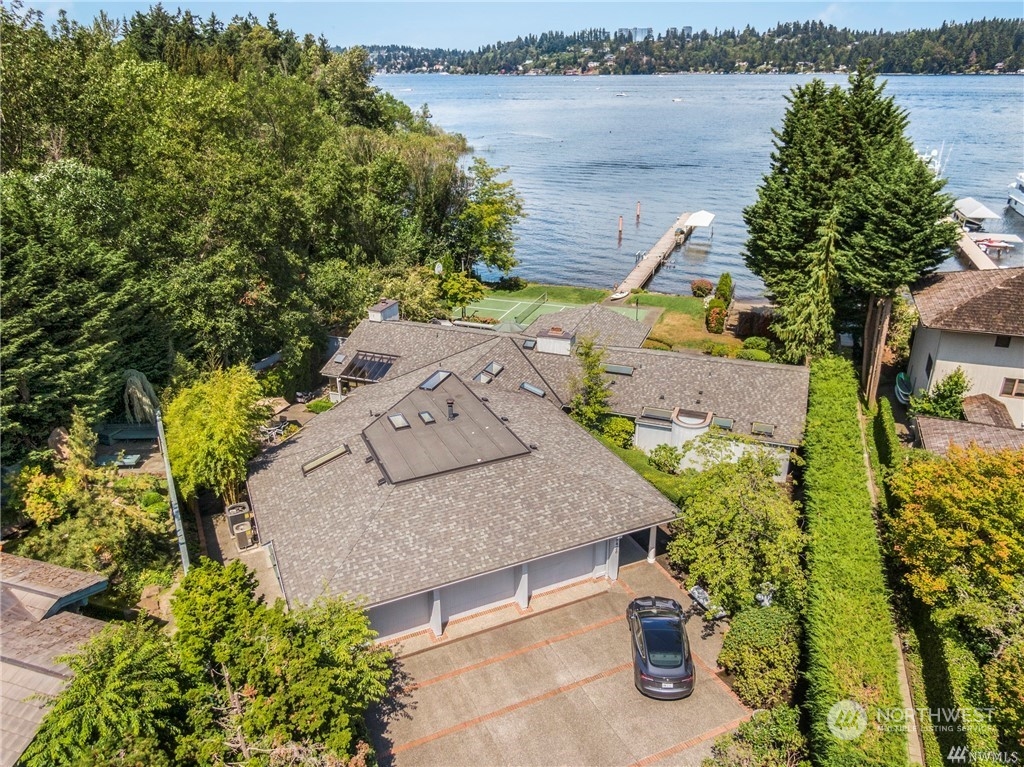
(653, 259)
(972, 252)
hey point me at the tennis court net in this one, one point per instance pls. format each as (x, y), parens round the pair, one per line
(524, 315)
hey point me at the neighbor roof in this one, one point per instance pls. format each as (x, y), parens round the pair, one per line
(937, 434)
(344, 529)
(974, 301)
(986, 409)
(33, 634)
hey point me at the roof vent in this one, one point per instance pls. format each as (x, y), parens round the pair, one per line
(532, 446)
(381, 481)
(451, 409)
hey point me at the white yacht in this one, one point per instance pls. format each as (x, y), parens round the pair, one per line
(1015, 198)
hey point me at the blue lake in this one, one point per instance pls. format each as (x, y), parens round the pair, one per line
(583, 151)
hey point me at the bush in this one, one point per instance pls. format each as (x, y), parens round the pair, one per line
(762, 650)
(701, 288)
(753, 354)
(511, 284)
(319, 406)
(946, 399)
(724, 290)
(768, 739)
(756, 342)
(886, 439)
(150, 498)
(1004, 686)
(654, 343)
(619, 431)
(665, 458)
(714, 315)
(715, 348)
(849, 626)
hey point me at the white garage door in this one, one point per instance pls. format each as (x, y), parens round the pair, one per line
(560, 568)
(403, 616)
(477, 594)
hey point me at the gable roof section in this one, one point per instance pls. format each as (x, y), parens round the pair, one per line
(343, 529)
(33, 634)
(937, 434)
(985, 301)
(986, 409)
(607, 326)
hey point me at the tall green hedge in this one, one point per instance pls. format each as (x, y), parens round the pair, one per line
(888, 441)
(849, 626)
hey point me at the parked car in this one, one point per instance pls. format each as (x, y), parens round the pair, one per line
(662, 664)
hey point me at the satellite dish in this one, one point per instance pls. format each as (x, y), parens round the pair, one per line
(438, 269)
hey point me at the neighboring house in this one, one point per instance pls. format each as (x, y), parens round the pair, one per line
(937, 434)
(672, 397)
(37, 625)
(973, 320)
(457, 482)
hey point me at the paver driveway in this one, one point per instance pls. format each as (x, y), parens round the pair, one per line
(556, 688)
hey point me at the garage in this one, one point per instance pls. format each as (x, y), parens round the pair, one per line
(568, 566)
(477, 594)
(401, 617)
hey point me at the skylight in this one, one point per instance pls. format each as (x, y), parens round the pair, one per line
(435, 380)
(494, 368)
(339, 358)
(316, 463)
(762, 429)
(530, 343)
(656, 413)
(399, 421)
(482, 377)
(619, 370)
(426, 417)
(532, 389)
(722, 423)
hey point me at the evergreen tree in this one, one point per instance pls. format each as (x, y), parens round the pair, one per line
(589, 388)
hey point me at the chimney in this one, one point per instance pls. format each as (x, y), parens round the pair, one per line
(383, 310)
(451, 409)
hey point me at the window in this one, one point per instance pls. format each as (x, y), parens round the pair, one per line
(532, 389)
(493, 368)
(722, 423)
(656, 413)
(762, 429)
(530, 343)
(435, 380)
(1012, 387)
(426, 417)
(482, 377)
(1003, 342)
(928, 367)
(399, 421)
(316, 463)
(619, 370)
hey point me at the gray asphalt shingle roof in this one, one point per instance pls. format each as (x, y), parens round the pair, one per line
(339, 531)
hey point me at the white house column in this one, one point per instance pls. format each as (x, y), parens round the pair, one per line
(613, 559)
(522, 576)
(435, 612)
(652, 544)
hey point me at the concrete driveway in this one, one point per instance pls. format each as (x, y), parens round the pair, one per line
(555, 688)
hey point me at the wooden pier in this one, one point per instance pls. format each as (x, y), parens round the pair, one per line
(973, 253)
(652, 260)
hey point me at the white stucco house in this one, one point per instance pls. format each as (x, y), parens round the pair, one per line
(973, 320)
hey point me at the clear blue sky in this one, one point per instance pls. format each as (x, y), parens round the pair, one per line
(468, 25)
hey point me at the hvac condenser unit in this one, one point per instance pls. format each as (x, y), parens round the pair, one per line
(242, 525)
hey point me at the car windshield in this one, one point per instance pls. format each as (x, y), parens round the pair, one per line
(664, 638)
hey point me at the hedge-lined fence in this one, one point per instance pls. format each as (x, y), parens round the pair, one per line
(849, 625)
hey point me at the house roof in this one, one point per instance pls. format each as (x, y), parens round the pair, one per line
(607, 326)
(937, 434)
(986, 409)
(344, 529)
(974, 301)
(33, 634)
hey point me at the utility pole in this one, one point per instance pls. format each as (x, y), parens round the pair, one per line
(175, 511)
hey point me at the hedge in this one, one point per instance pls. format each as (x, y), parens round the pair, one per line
(762, 651)
(850, 654)
(886, 438)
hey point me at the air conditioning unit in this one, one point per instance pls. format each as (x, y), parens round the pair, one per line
(242, 525)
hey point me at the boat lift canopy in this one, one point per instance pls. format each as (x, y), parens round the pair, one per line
(700, 218)
(972, 210)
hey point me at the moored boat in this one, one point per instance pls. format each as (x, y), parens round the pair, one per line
(1015, 197)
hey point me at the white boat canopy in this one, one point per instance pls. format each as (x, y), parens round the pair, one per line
(971, 209)
(700, 218)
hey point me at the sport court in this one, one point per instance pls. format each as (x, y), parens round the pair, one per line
(523, 312)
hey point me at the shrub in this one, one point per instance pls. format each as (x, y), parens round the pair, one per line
(319, 406)
(753, 354)
(756, 342)
(849, 626)
(665, 458)
(151, 497)
(946, 399)
(619, 430)
(701, 288)
(901, 325)
(1004, 686)
(715, 348)
(768, 739)
(886, 438)
(724, 289)
(511, 283)
(654, 343)
(762, 650)
(714, 316)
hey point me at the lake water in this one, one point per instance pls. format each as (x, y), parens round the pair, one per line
(583, 151)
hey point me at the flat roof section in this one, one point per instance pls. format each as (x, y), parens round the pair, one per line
(424, 446)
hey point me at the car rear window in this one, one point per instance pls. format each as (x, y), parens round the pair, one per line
(664, 639)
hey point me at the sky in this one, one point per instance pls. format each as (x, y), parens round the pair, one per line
(469, 25)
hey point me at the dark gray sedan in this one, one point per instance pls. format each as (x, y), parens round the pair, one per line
(662, 665)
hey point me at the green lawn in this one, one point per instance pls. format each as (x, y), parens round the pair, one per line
(688, 305)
